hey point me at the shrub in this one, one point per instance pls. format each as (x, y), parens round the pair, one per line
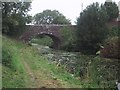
(68, 39)
(114, 31)
(111, 48)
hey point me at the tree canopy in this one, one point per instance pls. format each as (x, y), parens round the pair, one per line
(50, 17)
(111, 9)
(91, 28)
(14, 14)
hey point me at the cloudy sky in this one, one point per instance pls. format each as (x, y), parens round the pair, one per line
(69, 8)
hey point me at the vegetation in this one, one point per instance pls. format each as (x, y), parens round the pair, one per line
(96, 72)
(26, 60)
(114, 31)
(91, 29)
(104, 72)
(69, 39)
(14, 15)
(24, 66)
(111, 44)
(12, 69)
(42, 40)
(50, 17)
(91, 34)
(111, 48)
(90, 71)
(112, 10)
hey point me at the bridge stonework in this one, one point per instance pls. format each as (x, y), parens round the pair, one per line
(52, 31)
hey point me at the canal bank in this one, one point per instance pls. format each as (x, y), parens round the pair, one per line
(92, 71)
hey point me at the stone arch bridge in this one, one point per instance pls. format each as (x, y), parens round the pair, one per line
(52, 31)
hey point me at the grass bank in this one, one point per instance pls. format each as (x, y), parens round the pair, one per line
(13, 72)
(23, 66)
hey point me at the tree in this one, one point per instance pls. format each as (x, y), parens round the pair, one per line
(50, 17)
(91, 28)
(68, 38)
(111, 9)
(14, 14)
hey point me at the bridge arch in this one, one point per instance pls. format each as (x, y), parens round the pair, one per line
(53, 31)
(56, 41)
(33, 31)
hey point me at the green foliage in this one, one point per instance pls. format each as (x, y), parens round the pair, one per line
(111, 9)
(104, 72)
(50, 17)
(114, 31)
(91, 29)
(68, 39)
(97, 72)
(6, 57)
(12, 79)
(14, 14)
(43, 40)
(111, 44)
(12, 69)
(20, 78)
(111, 48)
(61, 20)
(10, 55)
(40, 64)
(94, 71)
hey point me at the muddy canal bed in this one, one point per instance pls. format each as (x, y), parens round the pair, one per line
(67, 60)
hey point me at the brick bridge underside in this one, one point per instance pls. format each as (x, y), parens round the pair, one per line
(52, 31)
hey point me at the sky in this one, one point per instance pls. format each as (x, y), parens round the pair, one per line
(69, 8)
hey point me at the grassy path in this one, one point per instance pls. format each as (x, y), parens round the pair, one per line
(30, 69)
(38, 78)
(29, 74)
(24, 67)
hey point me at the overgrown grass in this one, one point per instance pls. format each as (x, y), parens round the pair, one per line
(43, 65)
(91, 71)
(14, 74)
(13, 70)
(97, 72)
(104, 72)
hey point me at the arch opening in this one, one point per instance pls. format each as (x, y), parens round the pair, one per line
(46, 40)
